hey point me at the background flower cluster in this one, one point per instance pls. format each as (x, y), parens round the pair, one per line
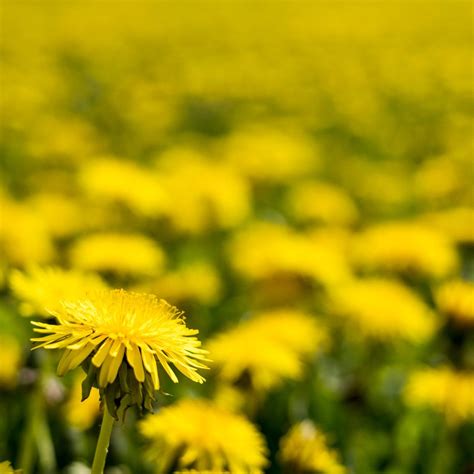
(297, 177)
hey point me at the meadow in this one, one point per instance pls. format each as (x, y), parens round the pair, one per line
(241, 235)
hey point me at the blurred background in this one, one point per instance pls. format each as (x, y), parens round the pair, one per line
(295, 176)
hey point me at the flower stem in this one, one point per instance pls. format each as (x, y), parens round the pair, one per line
(102, 443)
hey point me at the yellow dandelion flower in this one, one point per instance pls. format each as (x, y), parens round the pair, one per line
(443, 389)
(120, 181)
(455, 222)
(10, 361)
(282, 338)
(123, 254)
(6, 468)
(190, 434)
(312, 201)
(41, 289)
(196, 281)
(81, 413)
(219, 198)
(61, 215)
(120, 339)
(24, 238)
(383, 309)
(456, 299)
(405, 247)
(304, 449)
(265, 250)
(268, 154)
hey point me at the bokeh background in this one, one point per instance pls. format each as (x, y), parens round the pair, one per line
(295, 176)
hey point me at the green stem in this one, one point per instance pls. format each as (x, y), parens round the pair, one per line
(102, 443)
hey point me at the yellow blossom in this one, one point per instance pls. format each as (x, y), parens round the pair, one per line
(82, 413)
(443, 389)
(41, 289)
(383, 309)
(312, 201)
(304, 449)
(264, 250)
(203, 193)
(122, 254)
(116, 333)
(456, 299)
(405, 247)
(10, 361)
(197, 281)
(120, 181)
(455, 222)
(268, 154)
(190, 434)
(282, 338)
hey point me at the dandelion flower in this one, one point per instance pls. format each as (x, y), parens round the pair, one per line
(312, 201)
(265, 250)
(281, 340)
(406, 248)
(195, 281)
(455, 222)
(304, 449)
(6, 468)
(443, 389)
(10, 361)
(267, 154)
(124, 182)
(220, 198)
(456, 299)
(121, 339)
(81, 413)
(197, 434)
(383, 309)
(121, 254)
(41, 290)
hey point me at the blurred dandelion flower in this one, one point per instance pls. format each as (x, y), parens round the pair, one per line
(120, 181)
(220, 198)
(268, 154)
(312, 201)
(122, 254)
(24, 238)
(6, 468)
(195, 281)
(455, 222)
(443, 389)
(197, 434)
(121, 338)
(265, 250)
(81, 413)
(62, 215)
(456, 299)
(407, 248)
(281, 338)
(10, 360)
(41, 290)
(383, 309)
(304, 449)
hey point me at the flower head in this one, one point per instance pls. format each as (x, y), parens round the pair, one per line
(280, 340)
(198, 434)
(122, 254)
(10, 360)
(383, 309)
(405, 248)
(41, 289)
(304, 449)
(121, 338)
(456, 299)
(443, 389)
